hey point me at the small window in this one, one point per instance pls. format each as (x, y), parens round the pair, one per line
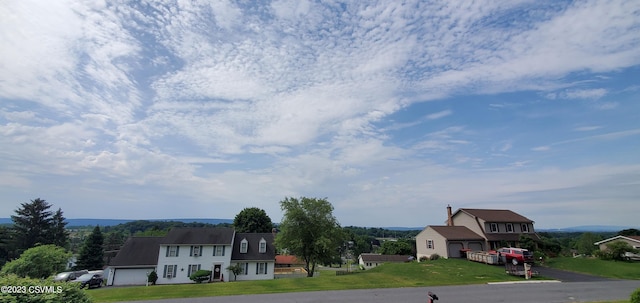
(509, 227)
(172, 251)
(494, 227)
(196, 251)
(244, 246)
(263, 246)
(218, 250)
(169, 271)
(525, 228)
(430, 244)
(261, 268)
(192, 269)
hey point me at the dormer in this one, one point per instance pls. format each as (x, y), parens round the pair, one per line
(244, 246)
(263, 246)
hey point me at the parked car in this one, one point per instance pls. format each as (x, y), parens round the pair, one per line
(69, 275)
(89, 280)
(515, 255)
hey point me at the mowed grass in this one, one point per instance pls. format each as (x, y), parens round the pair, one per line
(431, 273)
(595, 266)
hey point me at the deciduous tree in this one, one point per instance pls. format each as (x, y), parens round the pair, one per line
(38, 262)
(252, 220)
(310, 231)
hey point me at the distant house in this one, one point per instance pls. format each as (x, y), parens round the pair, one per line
(136, 259)
(368, 261)
(288, 261)
(633, 241)
(183, 251)
(473, 229)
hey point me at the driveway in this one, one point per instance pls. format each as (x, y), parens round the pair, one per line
(568, 276)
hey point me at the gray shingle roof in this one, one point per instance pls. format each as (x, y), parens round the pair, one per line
(253, 253)
(456, 233)
(199, 235)
(138, 251)
(496, 215)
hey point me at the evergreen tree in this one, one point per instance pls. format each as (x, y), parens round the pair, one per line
(32, 224)
(92, 252)
(58, 233)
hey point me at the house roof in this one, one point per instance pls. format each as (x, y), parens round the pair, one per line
(199, 235)
(456, 232)
(628, 238)
(253, 247)
(287, 259)
(137, 251)
(385, 258)
(495, 215)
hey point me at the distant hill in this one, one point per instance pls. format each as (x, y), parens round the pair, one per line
(113, 222)
(588, 228)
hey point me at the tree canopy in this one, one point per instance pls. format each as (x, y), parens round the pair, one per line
(92, 252)
(252, 220)
(310, 231)
(38, 262)
(34, 224)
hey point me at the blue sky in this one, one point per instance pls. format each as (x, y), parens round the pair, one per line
(391, 109)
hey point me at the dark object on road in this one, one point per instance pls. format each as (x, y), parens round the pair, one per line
(89, 280)
(431, 297)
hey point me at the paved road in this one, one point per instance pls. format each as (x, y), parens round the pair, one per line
(551, 292)
(567, 276)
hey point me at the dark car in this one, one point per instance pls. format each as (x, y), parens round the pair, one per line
(89, 280)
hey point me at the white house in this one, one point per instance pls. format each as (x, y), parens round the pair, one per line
(256, 254)
(368, 261)
(184, 251)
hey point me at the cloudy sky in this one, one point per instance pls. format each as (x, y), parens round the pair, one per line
(391, 109)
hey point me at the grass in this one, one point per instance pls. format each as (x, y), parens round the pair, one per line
(432, 273)
(595, 266)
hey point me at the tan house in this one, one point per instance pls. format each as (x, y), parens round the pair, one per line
(633, 241)
(471, 229)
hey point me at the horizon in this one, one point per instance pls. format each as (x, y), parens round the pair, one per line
(391, 110)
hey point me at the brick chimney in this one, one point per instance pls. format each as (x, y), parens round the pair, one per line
(449, 216)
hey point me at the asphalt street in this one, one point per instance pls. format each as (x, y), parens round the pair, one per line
(550, 292)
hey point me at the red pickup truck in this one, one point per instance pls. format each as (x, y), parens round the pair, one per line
(515, 255)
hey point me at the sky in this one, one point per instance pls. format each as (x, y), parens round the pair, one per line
(391, 110)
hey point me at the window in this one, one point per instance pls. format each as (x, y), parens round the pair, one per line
(169, 271)
(245, 268)
(263, 246)
(494, 227)
(430, 244)
(509, 227)
(525, 228)
(196, 251)
(172, 251)
(192, 269)
(261, 268)
(243, 246)
(218, 250)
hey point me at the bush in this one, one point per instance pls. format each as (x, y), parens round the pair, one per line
(152, 278)
(424, 258)
(200, 276)
(50, 291)
(635, 296)
(434, 257)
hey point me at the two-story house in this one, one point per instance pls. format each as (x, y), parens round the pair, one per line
(184, 251)
(473, 229)
(256, 255)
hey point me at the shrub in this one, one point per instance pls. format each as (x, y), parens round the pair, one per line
(635, 296)
(200, 276)
(424, 258)
(152, 278)
(45, 291)
(434, 257)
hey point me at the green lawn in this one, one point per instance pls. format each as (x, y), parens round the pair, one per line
(595, 266)
(431, 273)
(439, 272)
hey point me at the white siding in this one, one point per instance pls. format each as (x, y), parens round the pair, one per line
(439, 244)
(251, 271)
(206, 260)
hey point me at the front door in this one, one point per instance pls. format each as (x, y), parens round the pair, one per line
(217, 269)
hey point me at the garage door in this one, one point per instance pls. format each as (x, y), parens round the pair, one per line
(454, 249)
(131, 276)
(475, 246)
